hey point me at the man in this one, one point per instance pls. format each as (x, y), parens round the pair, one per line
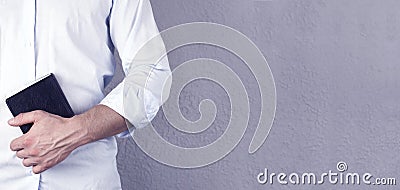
(75, 40)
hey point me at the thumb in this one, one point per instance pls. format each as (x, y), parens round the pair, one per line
(25, 118)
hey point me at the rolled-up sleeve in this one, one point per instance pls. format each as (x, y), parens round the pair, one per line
(145, 86)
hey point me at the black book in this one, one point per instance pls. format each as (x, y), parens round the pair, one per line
(44, 94)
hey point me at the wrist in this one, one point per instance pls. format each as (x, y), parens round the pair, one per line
(79, 123)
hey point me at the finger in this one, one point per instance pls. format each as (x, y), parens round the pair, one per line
(27, 152)
(27, 162)
(39, 168)
(18, 143)
(25, 118)
(22, 154)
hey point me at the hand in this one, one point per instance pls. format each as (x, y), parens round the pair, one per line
(50, 140)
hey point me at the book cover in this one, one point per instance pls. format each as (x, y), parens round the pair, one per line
(44, 94)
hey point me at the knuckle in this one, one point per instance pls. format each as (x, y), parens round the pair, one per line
(33, 152)
(20, 117)
(26, 163)
(36, 113)
(44, 167)
(27, 142)
(40, 112)
(37, 169)
(19, 154)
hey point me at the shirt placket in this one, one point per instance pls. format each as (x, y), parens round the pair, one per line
(29, 45)
(29, 41)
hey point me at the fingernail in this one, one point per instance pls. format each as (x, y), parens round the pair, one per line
(11, 121)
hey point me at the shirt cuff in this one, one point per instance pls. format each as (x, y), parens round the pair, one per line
(137, 105)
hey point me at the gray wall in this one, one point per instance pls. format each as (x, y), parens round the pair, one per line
(336, 68)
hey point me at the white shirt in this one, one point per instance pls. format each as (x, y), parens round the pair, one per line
(75, 40)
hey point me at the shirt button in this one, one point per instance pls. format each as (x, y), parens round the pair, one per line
(28, 44)
(29, 172)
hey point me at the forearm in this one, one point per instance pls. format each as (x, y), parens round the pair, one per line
(97, 123)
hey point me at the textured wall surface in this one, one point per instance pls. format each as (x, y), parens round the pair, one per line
(337, 72)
